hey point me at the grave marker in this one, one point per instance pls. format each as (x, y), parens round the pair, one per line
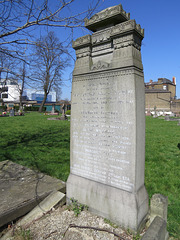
(108, 120)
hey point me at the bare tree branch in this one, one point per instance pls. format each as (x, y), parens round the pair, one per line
(48, 64)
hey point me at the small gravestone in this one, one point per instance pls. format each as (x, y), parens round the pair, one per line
(155, 113)
(167, 118)
(63, 116)
(108, 120)
(11, 113)
(53, 108)
(148, 113)
(159, 206)
(158, 218)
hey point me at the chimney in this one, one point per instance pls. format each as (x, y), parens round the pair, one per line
(174, 80)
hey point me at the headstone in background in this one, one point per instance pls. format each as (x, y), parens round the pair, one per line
(53, 108)
(108, 120)
(159, 206)
(155, 112)
(167, 118)
(11, 113)
(63, 116)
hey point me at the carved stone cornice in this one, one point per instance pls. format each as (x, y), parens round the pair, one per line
(83, 52)
(109, 16)
(101, 36)
(81, 42)
(126, 27)
(125, 41)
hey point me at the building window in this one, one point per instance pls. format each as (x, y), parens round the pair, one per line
(164, 87)
(4, 95)
(4, 89)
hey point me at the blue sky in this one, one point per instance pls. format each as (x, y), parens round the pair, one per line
(161, 44)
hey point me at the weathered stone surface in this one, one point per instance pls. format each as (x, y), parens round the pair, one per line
(41, 209)
(109, 16)
(108, 122)
(157, 230)
(122, 207)
(21, 189)
(159, 206)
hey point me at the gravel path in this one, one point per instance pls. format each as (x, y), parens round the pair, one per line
(62, 224)
(57, 225)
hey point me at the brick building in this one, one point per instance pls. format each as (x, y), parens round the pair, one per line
(161, 95)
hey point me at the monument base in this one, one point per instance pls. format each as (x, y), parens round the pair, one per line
(126, 209)
(63, 117)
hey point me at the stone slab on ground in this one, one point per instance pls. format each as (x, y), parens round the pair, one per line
(46, 205)
(43, 208)
(21, 189)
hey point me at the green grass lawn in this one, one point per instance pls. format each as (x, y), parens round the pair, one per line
(33, 141)
(162, 166)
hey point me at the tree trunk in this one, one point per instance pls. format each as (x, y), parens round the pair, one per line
(43, 102)
(20, 102)
(22, 87)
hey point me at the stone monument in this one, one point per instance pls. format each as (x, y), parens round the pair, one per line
(108, 120)
(11, 113)
(53, 109)
(63, 116)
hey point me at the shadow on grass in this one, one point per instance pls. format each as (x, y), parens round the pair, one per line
(47, 151)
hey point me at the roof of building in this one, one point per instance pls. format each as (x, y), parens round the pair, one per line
(160, 81)
(156, 91)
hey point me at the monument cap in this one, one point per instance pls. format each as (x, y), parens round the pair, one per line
(106, 18)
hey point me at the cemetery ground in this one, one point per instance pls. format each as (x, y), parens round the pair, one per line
(35, 142)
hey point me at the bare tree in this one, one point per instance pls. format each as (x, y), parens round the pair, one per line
(19, 18)
(58, 91)
(7, 65)
(21, 21)
(48, 64)
(22, 78)
(2, 63)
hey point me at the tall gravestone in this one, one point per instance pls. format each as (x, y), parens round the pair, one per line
(108, 120)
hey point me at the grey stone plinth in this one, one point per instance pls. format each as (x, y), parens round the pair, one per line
(122, 207)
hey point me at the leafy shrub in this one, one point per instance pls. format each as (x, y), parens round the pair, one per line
(77, 207)
(68, 112)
